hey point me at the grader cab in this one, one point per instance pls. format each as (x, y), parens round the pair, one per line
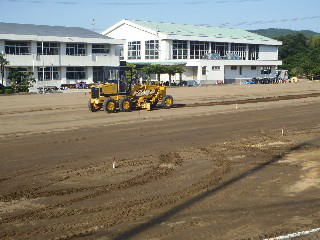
(116, 93)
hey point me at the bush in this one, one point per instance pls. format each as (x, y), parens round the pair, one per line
(1, 91)
(8, 91)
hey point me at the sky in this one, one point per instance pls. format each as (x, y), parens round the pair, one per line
(98, 15)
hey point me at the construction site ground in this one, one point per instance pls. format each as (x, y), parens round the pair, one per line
(227, 162)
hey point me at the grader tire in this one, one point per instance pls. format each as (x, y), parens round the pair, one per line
(125, 105)
(109, 105)
(154, 105)
(92, 108)
(167, 102)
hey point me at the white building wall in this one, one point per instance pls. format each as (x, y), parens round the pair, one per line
(130, 33)
(268, 52)
(63, 74)
(63, 49)
(89, 75)
(190, 74)
(247, 73)
(165, 49)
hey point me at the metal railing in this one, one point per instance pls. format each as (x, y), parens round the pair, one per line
(229, 55)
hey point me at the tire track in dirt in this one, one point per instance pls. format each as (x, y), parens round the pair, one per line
(154, 202)
(153, 174)
(36, 110)
(134, 208)
(69, 174)
(250, 100)
(122, 211)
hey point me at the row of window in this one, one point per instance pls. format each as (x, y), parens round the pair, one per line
(200, 50)
(151, 49)
(72, 73)
(53, 48)
(264, 69)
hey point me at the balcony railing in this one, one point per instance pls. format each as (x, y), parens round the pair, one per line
(229, 55)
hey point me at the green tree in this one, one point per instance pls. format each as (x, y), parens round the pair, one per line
(162, 69)
(133, 74)
(21, 81)
(292, 44)
(301, 56)
(3, 63)
(315, 42)
(172, 70)
(154, 69)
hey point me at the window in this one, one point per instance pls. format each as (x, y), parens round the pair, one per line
(121, 53)
(101, 49)
(18, 69)
(266, 70)
(253, 52)
(134, 50)
(49, 48)
(98, 74)
(50, 73)
(219, 48)
(179, 49)
(215, 68)
(233, 67)
(253, 68)
(17, 48)
(239, 50)
(204, 70)
(152, 49)
(76, 73)
(198, 49)
(76, 49)
(240, 70)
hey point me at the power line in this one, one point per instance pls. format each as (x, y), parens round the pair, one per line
(261, 22)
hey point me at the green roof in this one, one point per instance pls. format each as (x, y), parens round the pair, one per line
(200, 30)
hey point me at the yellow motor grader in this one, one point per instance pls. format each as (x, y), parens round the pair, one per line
(117, 94)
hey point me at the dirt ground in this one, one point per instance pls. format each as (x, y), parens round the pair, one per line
(240, 170)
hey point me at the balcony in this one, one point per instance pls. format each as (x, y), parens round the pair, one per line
(230, 55)
(62, 60)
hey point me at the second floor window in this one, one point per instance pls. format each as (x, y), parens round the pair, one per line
(198, 49)
(179, 49)
(219, 48)
(17, 48)
(100, 49)
(134, 50)
(152, 49)
(76, 73)
(239, 50)
(76, 49)
(253, 52)
(49, 48)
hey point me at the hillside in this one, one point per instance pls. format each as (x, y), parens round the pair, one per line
(277, 32)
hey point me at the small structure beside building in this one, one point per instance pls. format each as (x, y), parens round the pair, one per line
(57, 55)
(209, 54)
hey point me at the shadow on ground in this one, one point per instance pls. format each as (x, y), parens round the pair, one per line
(168, 214)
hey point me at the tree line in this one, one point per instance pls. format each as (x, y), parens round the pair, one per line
(300, 55)
(156, 69)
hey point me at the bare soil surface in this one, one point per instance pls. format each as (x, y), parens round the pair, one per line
(215, 167)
